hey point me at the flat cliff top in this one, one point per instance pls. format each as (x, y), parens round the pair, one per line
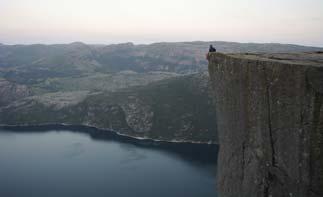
(306, 58)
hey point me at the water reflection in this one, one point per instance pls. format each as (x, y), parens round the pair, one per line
(73, 150)
(197, 153)
(78, 161)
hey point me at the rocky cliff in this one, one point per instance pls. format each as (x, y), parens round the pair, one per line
(270, 123)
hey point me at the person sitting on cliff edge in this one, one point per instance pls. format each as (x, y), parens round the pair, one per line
(211, 50)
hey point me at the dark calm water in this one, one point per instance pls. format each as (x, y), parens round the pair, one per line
(91, 163)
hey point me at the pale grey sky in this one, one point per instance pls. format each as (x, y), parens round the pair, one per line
(146, 21)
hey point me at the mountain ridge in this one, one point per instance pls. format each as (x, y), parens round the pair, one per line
(137, 90)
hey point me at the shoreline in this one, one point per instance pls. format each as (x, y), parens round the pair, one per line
(87, 128)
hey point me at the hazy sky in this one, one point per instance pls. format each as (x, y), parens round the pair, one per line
(146, 21)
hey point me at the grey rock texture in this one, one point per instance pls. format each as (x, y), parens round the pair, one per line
(10, 91)
(270, 123)
(139, 116)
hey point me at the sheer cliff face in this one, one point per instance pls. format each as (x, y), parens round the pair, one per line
(270, 123)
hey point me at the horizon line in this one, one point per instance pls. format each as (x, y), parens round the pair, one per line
(158, 42)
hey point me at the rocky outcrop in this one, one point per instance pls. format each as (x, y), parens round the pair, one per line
(10, 91)
(270, 123)
(138, 115)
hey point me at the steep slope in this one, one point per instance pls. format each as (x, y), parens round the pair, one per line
(176, 109)
(10, 92)
(270, 123)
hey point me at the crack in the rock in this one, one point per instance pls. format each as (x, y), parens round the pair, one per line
(268, 96)
(243, 161)
(269, 176)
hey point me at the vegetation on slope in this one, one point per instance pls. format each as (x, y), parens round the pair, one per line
(139, 90)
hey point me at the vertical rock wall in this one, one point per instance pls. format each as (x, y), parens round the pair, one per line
(270, 125)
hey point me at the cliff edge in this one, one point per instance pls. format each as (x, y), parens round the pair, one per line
(270, 123)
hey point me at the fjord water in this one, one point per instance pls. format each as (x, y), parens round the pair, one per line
(71, 163)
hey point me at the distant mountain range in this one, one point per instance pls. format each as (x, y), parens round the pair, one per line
(30, 63)
(158, 91)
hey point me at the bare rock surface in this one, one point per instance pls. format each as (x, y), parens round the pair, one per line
(139, 116)
(10, 91)
(59, 100)
(270, 123)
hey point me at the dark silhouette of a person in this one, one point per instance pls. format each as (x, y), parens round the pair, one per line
(212, 49)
